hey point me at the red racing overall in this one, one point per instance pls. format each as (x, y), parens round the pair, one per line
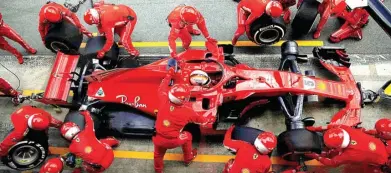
(6, 89)
(183, 30)
(362, 149)
(97, 155)
(19, 120)
(352, 28)
(116, 19)
(7, 31)
(67, 15)
(170, 121)
(248, 159)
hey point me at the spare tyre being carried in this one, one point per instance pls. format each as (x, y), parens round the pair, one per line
(305, 17)
(64, 37)
(266, 30)
(95, 44)
(29, 153)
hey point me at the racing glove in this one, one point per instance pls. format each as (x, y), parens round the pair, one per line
(172, 63)
(101, 54)
(70, 160)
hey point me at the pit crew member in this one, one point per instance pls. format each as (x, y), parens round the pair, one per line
(97, 155)
(250, 10)
(173, 115)
(7, 31)
(250, 158)
(354, 146)
(181, 21)
(24, 119)
(113, 19)
(7, 90)
(52, 13)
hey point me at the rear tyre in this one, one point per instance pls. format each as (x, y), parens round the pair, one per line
(64, 37)
(95, 44)
(29, 153)
(267, 30)
(293, 144)
(305, 17)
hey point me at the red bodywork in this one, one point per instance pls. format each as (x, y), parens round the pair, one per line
(138, 87)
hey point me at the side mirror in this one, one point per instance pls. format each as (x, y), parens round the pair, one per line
(385, 91)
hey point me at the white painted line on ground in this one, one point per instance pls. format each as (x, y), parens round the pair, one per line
(360, 70)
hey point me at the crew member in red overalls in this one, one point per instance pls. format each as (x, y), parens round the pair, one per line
(113, 19)
(181, 21)
(383, 132)
(286, 11)
(52, 13)
(250, 158)
(173, 115)
(352, 28)
(7, 90)
(97, 155)
(7, 31)
(25, 118)
(250, 10)
(354, 146)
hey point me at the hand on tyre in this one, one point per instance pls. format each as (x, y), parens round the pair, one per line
(101, 54)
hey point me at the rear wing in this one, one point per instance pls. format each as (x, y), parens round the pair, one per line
(60, 80)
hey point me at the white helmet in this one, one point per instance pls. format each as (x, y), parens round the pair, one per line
(199, 77)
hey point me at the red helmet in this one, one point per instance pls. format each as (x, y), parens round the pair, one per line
(179, 93)
(69, 130)
(265, 142)
(274, 9)
(53, 165)
(38, 122)
(383, 128)
(52, 14)
(91, 16)
(336, 138)
(189, 15)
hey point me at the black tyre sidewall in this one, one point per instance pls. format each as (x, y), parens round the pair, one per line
(77, 118)
(95, 44)
(305, 17)
(65, 33)
(266, 23)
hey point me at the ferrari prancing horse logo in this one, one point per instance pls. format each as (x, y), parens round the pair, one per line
(255, 156)
(353, 142)
(171, 108)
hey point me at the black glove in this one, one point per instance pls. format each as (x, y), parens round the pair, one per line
(70, 160)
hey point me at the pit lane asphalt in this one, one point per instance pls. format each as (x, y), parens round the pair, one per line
(371, 70)
(220, 17)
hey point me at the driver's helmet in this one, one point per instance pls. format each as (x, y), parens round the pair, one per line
(91, 16)
(265, 142)
(69, 130)
(52, 14)
(336, 138)
(383, 128)
(199, 78)
(274, 9)
(190, 15)
(38, 122)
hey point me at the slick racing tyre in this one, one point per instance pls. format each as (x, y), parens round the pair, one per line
(29, 153)
(295, 143)
(95, 44)
(305, 17)
(247, 134)
(64, 37)
(267, 30)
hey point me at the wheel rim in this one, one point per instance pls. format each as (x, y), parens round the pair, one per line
(25, 155)
(268, 35)
(55, 45)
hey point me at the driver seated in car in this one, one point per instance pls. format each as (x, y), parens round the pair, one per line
(25, 119)
(354, 147)
(249, 157)
(250, 10)
(200, 78)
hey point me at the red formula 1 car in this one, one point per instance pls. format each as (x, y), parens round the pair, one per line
(123, 100)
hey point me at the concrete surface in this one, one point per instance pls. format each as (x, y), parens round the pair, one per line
(220, 16)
